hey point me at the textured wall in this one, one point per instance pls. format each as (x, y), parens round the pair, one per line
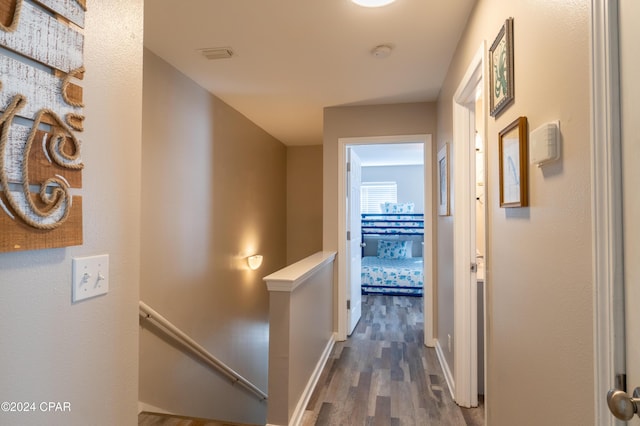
(304, 201)
(213, 193)
(86, 353)
(539, 287)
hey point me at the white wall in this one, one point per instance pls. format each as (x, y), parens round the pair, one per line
(410, 181)
(539, 285)
(86, 353)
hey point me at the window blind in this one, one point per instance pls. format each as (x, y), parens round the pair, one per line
(373, 194)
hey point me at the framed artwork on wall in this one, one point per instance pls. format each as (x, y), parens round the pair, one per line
(443, 181)
(513, 163)
(501, 85)
(41, 123)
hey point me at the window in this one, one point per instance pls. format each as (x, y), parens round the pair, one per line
(373, 194)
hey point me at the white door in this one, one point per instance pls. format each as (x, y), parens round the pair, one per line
(354, 238)
(630, 102)
(629, 32)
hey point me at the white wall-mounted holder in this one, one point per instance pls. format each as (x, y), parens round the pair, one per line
(544, 144)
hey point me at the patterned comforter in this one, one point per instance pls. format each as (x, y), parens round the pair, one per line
(392, 276)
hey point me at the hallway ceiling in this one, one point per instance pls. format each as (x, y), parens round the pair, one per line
(292, 58)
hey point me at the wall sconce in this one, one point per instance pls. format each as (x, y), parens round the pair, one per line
(254, 261)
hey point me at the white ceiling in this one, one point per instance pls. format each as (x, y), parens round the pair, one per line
(295, 57)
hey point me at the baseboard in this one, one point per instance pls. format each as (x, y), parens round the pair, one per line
(296, 417)
(448, 376)
(143, 406)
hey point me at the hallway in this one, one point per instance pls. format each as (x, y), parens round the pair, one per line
(384, 375)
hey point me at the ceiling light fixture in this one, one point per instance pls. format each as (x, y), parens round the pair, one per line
(372, 3)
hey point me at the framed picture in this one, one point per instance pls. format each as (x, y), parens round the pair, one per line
(443, 181)
(513, 153)
(501, 70)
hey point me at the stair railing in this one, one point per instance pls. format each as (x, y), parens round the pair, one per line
(150, 314)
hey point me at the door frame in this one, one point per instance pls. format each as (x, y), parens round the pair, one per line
(429, 307)
(606, 206)
(465, 381)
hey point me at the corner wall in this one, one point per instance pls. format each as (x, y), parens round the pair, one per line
(304, 201)
(539, 284)
(86, 353)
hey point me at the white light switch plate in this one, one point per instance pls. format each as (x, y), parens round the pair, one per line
(90, 277)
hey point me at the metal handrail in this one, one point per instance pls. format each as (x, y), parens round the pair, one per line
(149, 314)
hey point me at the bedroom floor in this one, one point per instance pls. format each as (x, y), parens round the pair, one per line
(384, 375)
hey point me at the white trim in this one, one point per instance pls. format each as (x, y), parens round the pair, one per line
(428, 251)
(292, 276)
(448, 375)
(298, 413)
(144, 407)
(465, 291)
(606, 206)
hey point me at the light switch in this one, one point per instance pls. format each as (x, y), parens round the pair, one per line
(90, 277)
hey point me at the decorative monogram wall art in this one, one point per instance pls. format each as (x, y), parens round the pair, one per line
(41, 114)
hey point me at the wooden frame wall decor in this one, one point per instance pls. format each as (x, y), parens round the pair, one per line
(443, 181)
(501, 85)
(513, 161)
(41, 114)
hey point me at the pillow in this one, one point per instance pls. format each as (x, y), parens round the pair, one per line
(398, 207)
(392, 249)
(409, 249)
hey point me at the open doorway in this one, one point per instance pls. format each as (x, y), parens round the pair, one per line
(470, 262)
(406, 187)
(480, 231)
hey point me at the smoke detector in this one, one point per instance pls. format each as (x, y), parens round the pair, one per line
(381, 51)
(217, 53)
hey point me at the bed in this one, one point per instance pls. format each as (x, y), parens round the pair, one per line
(392, 254)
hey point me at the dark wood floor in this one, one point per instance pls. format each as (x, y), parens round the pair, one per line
(384, 375)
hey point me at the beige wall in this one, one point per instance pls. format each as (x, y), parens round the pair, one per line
(213, 193)
(363, 121)
(86, 353)
(301, 328)
(304, 201)
(539, 287)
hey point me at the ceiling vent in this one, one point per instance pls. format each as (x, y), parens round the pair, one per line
(382, 51)
(217, 53)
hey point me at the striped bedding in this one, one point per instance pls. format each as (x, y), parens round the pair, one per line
(392, 276)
